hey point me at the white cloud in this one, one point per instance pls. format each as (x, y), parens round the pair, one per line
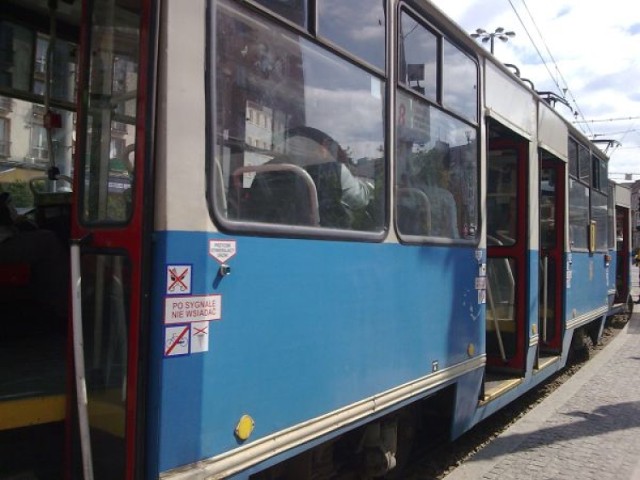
(596, 48)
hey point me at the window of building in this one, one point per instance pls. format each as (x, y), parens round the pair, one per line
(5, 137)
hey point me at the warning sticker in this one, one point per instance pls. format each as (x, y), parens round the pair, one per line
(199, 337)
(196, 308)
(178, 279)
(222, 250)
(176, 340)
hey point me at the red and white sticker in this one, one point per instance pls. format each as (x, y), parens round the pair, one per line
(178, 279)
(222, 250)
(194, 308)
(199, 337)
(176, 340)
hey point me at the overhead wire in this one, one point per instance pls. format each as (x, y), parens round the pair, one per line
(564, 89)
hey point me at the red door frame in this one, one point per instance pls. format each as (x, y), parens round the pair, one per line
(622, 256)
(554, 343)
(517, 252)
(132, 238)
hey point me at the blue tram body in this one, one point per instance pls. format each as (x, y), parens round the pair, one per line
(334, 239)
(322, 325)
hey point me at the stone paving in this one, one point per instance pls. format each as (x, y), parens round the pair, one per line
(588, 429)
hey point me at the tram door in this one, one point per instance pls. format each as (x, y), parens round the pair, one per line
(506, 252)
(552, 174)
(110, 224)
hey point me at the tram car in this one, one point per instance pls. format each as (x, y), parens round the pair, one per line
(270, 239)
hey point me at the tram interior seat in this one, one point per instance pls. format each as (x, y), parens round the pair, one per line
(279, 193)
(414, 211)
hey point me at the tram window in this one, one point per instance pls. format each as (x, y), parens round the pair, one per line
(599, 215)
(299, 134)
(108, 157)
(599, 174)
(357, 26)
(502, 211)
(23, 63)
(611, 219)
(573, 158)
(548, 214)
(436, 172)
(459, 82)
(293, 10)
(578, 214)
(418, 58)
(584, 165)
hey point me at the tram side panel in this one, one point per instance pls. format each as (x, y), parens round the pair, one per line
(263, 344)
(301, 329)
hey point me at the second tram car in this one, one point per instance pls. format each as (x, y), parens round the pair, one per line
(270, 239)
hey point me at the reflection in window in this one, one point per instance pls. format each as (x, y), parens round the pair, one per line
(578, 214)
(548, 220)
(293, 10)
(105, 325)
(109, 162)
(460, 82)
(573, 158)
(299, 131)
(584, 165)
(23, 63)
(612, 235)
(599, 215)
(5, 135)
(501, 307)
(358, 26)
(418, 58)
(502, 204)
(436, 172)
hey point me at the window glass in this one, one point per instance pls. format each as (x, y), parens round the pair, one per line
(459, 82)
(23, 63)
(436, 172)
(548, 215)
(603, 176)
(600, 216)
(578, 214)
(573, 158)
(358, 26)
(418, 58)
(109, 163)
(584, 164)
(299, 131)
(502, 202)
(293, 10)
(5, 135)
(611, 211)
(501, 304)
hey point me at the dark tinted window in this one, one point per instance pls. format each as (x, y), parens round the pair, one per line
(584, 164)
(356, 25)
(573, 158)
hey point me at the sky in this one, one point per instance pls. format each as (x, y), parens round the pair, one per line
(589, 48)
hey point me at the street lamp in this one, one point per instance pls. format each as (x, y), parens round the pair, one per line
(489, 36)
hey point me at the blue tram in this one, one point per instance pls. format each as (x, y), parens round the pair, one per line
(294, 238)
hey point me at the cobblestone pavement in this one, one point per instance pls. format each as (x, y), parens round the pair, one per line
(589, 428)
